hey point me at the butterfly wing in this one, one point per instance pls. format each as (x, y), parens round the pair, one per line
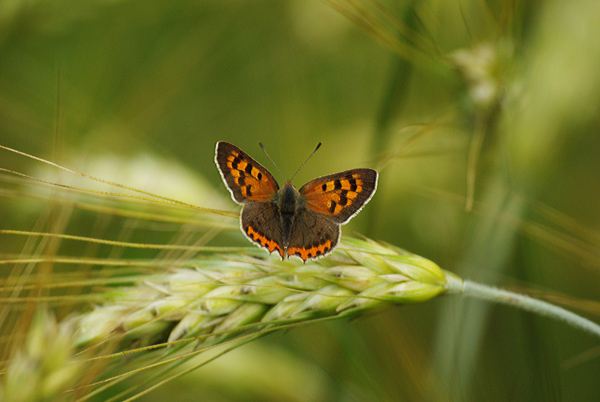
(261, 224)
(313, 235)
(246, 179)
(340, 196)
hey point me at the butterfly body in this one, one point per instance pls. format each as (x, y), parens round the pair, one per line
(303, 223)
(289, 203)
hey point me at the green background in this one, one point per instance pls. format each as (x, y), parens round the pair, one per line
(100, 85)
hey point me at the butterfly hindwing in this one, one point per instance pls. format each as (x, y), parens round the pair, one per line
(340, 196)
(246, 179)
(260, 224)
(313, 235)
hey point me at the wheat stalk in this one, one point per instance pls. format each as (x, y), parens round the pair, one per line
(224, 292)
(222, 297)
(235, 296)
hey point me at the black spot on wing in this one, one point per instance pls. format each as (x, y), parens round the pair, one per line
(353, 185)
(343, 198)
(332, 207)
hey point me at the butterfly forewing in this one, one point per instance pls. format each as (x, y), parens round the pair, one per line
(340, 195)
(246, 179)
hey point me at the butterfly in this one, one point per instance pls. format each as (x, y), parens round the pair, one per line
(303, 223)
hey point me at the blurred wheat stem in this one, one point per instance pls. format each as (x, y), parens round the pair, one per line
(44, 366)
(540, 307)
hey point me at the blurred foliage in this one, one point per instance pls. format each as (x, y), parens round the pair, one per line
(482, 117)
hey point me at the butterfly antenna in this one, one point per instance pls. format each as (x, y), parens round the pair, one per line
(309, 156)
(266, 153)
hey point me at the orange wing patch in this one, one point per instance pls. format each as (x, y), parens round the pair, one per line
(343, 192)
(269, 244)
(310, 252)
(253, 184)
(331, 197)
(246, 179)
(340, 195)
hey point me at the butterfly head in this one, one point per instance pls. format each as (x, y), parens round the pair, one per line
(288, 199)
